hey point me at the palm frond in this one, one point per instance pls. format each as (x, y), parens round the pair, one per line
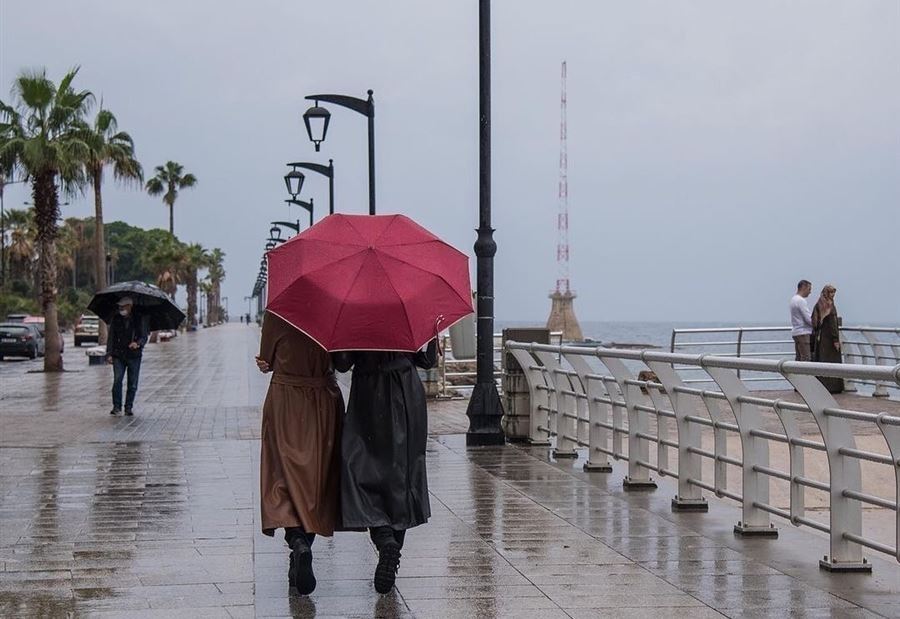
(155, 186)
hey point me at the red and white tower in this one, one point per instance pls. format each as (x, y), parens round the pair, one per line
(562, 312)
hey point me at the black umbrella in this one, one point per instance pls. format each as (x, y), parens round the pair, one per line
(149, 300)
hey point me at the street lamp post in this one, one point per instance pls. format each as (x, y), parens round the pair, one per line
(316, 119)
(288, 224)
(307, 205)
(485, 411)
(293, 186)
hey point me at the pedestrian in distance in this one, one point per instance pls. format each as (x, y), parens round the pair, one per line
(801, 321)
(124, 349)
(383, 481)
(301, 433)
(826, 337)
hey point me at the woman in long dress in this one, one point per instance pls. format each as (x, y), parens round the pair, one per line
(383, 481)
(300, 459)
(826, 336)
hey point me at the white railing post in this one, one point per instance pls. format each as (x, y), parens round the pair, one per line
(539, 398)
(563, 407)
(891, 433)
(597, 411)
(846, 513)
(690, 466)
(880, 359)
(638, 448)
(754, 453)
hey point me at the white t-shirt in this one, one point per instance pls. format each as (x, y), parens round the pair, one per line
(801, 316)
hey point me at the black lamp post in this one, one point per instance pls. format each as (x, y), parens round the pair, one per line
(289, 225)
(485, 410)
(325, 170)
(316, 119)
(307, 205)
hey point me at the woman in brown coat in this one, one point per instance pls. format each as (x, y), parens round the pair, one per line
(826, 336)
(300, 488)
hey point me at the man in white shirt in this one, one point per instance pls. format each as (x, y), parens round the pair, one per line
(801, 321)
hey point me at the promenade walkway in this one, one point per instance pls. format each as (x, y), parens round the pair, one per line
(157, 516)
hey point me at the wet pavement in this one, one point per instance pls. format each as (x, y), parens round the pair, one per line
(157, 516)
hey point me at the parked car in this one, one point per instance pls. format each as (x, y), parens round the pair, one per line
(18, 339)
(39, 322)
(87, 329)
(16, 317)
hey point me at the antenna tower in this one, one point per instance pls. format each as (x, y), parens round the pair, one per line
(562, 312)
(562, 222)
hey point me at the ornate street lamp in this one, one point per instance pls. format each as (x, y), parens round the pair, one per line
(289, 225)
(485, 411)
(293, 180)
(316, 119)
(327, 171)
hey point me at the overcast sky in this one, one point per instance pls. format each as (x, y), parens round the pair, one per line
(718, 151)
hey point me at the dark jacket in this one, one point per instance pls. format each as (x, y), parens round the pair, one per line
(383, 479)
(123, 331)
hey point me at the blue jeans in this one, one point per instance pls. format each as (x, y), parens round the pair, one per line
(134, 370)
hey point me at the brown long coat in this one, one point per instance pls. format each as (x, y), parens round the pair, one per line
(301, 434)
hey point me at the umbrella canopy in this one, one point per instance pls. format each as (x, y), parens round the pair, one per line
(150, 300)
(368, 282)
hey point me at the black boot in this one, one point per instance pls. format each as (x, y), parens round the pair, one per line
(300, 572)
(388, 558)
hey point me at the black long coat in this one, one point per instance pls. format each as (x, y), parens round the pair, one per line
(826, 332)
(383, 480)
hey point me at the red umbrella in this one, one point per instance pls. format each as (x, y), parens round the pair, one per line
(368, 282)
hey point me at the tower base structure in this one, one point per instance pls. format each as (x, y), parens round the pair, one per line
(562, 316)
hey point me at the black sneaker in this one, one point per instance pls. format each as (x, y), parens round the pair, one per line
(386, 570)
(115, 411)
(300, 573)
(128, 412)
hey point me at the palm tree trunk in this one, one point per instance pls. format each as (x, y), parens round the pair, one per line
(46, 207)
(172, 218)
(99, 245)
(192, 300)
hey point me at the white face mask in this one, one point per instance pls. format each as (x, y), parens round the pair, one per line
(123, 312)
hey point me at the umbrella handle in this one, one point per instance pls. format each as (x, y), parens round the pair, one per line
(437, 335)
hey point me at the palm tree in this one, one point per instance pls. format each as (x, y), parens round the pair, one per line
(166, 259)
(108, 146)
(168, 180)
(195, 258)
(22, 233)
(41, 137)
(216, 275)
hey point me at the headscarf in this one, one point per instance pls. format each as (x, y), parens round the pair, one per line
(824, 306)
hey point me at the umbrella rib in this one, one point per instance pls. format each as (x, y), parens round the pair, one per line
(391, 282)
(439, 276)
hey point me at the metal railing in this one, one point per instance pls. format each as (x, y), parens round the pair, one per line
(591, 397)
(859, 345)
(452, 368)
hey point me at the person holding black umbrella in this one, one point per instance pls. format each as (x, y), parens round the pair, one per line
(124, 350)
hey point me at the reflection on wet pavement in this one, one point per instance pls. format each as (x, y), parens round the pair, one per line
(158, 516)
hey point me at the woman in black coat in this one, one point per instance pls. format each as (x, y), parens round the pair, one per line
(826, 336)
(383, 482)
